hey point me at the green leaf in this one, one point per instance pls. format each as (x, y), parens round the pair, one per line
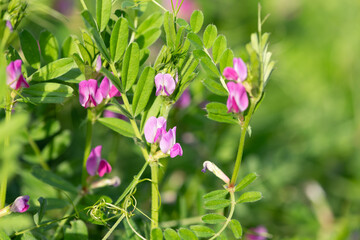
(183, 23)
(195, 41)
(103, 12)
(57, 146)
(196, 20)
(169, 29)
(217, 108)
(217, 194)
(148, 38)
(222, 118)
(236, 228)
(52, 179)
(89, 45)
(41, 212)
(49, 47)
(130, 66)
(207, 63)
(215, 87)
(100, 44)
(186, 234)
(249, 197)
(4, 236)
(213, 218)
(88, 19)
(78, 231)
(68, 47)
(171, 234)
(53, 70)
(120, 126)
(156, 234)
(226, 59)
(202, 231)
(47, 93)
(143, 90)
(209, 35)
(218, 48)
(119, 39)
(44, 129)
(30, 49)
(217, 204)
(84, 54)
(251, 177)
(154, 21)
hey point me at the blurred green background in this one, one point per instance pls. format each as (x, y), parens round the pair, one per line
(305, 136)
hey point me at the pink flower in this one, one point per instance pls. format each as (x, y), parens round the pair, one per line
(238, 73)
(154, 128)
(217, 171)
(98, 64)
(111, 114)
(95, 164)
(9, 26)
(89, 93)
(238, 100)
(185, 100)
(20, 204)
(168, 144)
(259, 233)
(108, 90)
(165, 84)
(14, 78)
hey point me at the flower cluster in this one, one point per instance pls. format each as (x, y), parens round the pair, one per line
(238, 100)
(15, 79)
(90, 95)
(155, 133)
(95, 164)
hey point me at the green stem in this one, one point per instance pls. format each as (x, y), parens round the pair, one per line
(232, 209)
(239, 155)
(114, 227)
(68, 212)
(83, 4)
(89, 126)
(132, 184)
(4, 163)
(154, 195)
(160, 6)
(37, 152)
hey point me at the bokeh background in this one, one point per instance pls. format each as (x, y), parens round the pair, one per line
(305, 136)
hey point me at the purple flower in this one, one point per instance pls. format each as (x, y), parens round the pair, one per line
(217, 171)
(20, 204)
(14, 78)
(98, 64)
(184, 100)
(111, 114)
(165, 84)
(168, 144)
(238, 73)
(108, 90)
(238, 100)
(154, 129)
(9, 26)
(259, 233)
(89, 93)
(95, 164)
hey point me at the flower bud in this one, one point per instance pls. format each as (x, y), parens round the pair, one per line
(214, 169)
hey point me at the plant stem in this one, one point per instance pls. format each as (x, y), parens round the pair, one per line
(232, 209)
(239, 155)
(160, 6)
(89, 126)
(4, 163)
(37, 152)
(114, 227)
(68, 212)
(83, 4)
(154, 194)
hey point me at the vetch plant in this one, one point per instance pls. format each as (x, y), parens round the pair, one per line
(110, 70)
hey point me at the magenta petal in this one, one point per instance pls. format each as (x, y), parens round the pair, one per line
(240, 68)
(176, 150)
(114, 92)
(168, 140)
(104, 167)
(159, 82)
(244, 100)
(93, 160)
(21, 83)
(83, 93)
(238, 99)
(150, 129)
(169, 84)
(230, 74)
(20, 204)
(104, 87)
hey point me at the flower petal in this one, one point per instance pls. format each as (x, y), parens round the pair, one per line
(98, 64)
(176, 150)
(169, 84)
(21, 82)
(20, 204)
(104, 167)
(93, 160)
(240, 68)
(230, 74)
(104, 87)
(159, 82)
(167, 141)
(83, 93)
(150, 129)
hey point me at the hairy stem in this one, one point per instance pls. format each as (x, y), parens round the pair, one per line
(154, 195)
(232, 209)
(239, 155)
(89, 126)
